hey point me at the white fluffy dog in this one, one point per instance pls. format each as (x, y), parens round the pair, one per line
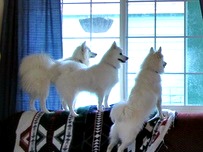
(128, 117)
(98, 79)
(37, 71)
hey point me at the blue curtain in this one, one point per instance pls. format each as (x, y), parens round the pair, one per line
(29, 26)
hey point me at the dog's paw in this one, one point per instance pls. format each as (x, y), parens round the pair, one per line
(33, 110)
(46, 111)
(106, 107)
(100, 108)
(161, 116)
(74, 114)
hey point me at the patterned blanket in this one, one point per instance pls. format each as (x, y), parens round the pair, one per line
(60, 132)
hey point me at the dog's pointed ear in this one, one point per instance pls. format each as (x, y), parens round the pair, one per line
(84, 45)
(114, 45)
(160, 49)
(151, 50)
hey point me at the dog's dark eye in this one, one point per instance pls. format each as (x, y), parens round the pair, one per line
(120, 53)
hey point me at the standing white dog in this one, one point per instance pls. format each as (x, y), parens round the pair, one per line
(98, 79)
(37, 71)
(128, 117)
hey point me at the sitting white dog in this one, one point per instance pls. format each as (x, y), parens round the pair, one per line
(128, 117)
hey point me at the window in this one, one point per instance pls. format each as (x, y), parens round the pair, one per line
(176, 26)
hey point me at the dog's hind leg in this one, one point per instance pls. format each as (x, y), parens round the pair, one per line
(113, 139)
(43, 105)
(72, 112)
(160, 108)
(124, 145)
(32, 104)
(64, 106)
(44, 94)
(126, 140)
(112, 143)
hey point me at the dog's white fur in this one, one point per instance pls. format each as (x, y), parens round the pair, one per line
(79, 59)
(37, 71)
(128, 117)
(98, 79)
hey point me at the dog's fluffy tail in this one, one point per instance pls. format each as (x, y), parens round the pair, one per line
(35, 61)
(34, 72)
(121, 111)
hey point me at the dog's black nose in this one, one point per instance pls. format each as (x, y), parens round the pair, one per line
(164, 64)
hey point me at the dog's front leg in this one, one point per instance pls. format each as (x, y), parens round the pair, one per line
(106, 101)
(100, 101)
(159, 107)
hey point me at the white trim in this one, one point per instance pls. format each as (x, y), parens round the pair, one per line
(123, 34)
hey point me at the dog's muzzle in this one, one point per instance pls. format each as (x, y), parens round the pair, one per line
(93, 55)
(164, 64)
(124, 59)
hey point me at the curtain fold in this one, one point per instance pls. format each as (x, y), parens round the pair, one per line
(40, 30)
(29, 26)
(9, 59)
(201, 6)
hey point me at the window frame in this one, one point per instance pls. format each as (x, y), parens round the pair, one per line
(184, 108)
(124, 44)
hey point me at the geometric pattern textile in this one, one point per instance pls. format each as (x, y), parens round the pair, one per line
(89, 132)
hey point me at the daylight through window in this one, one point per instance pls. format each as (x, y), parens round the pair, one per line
(136, 26)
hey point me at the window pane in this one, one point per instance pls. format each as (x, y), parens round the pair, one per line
(194, 21)
(69, 45)
(194, 55)
(131, 82)
(75, 1)
(141, 19)
(88, 1)
(75, 9)
(108, 20)
(170, 18)
(109, 1)
(194, 89)
(101, 46)
(86, 98)
(138, 48)
(102, 23)
(141, 0)
(178, 30)
(173, 51)
(173, 89)
(71, 17)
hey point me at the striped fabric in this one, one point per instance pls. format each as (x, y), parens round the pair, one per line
(60, 132)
